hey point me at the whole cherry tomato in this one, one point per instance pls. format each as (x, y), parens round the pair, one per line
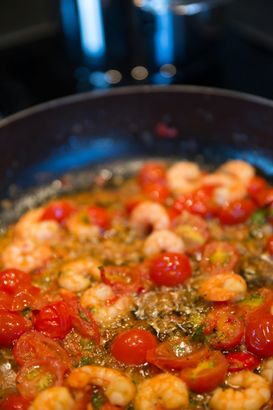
(199, 202)
(12, 326)
(58, 211)
(237, 212)
(259, 332)
(256, 185)
(14, 402)
(170, 269)
(242, 361)
(54, 320)
(131, 346)
(219, 257)
(27, 298)
(12, 280)
(157, 192)
(99, 216)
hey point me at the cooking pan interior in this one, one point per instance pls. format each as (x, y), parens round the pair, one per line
(61, 146)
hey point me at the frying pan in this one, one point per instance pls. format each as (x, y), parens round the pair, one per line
(59, 146)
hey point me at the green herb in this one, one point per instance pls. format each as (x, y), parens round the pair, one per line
(26, 311)
(85, 361)
(259, 217)
(97, 400)
(198, 335)
(83, 315)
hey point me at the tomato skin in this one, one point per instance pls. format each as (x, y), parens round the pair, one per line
(14, 402)
(259, 332)
(237, 212)
(58, 211)
(265, 197)
(193, 230)
(242, 361)
(12, 280)
(157, 192)
(54, 320)
(99, 216)
(151, 172)
(224, 329)
(117, 277)
(199, 202)
(269, 245)
(26, 298)
(256, 185)
(5, 301)
(170, 269)
(202, 380)
(12, 326)
(219, 257)
(131, 346)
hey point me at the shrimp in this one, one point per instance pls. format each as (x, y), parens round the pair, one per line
(118, 387)
(105, 305)
(223, 287)
(30, 226)
(247, 391)
(228, 187)
(26, 255)
(54, 398)
(79, 226)
(149, 214)
(76, 275)
(184, 177)
(164, 390)
(240, 169)
(163, 240)
(267, 371)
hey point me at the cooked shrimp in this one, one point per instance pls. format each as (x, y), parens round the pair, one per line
(30, 226)
(227, 187)
(240, 169)
(163, 391)
(247, 391)
(184, 177)
(76, 275)
(223, 287)
(79, 226)
(26, 255)
(105, 305)
(163, 240)
(118, 388)
(150, 214)
(267, 371)
(54, 398)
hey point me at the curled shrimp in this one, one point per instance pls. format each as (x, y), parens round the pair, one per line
(105, 305)
(76, 275)
(79, 226)
(247, 391)
(163, 240)
(239, 169)
(163, 391)
(54, 398)
(223, 287)
(228, 187)
(118, 387)
(26, 255)
(184, 177)
(267, 370)
(149, 214)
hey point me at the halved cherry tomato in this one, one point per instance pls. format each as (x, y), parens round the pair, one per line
(219, 257)
(34, 345)
(27, 298)
(237, 212)
(262, 298)
(58, 211)
(193, 230)
(265, 197)
(256, 185)
(157, 192)
(199, 202)
(54, 320)
(12, 326)
(170, 269)
(164, 355)
(207, 375)
(224, 329)
(12, 280)
(38, 375)
(14, 402)
(99, 216)
(5, 301)
(269, 245)
(242, 361)
(259, 332)
(122, 279)
(151, 172)
(131, 346)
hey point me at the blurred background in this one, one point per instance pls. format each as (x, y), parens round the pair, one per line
(53, 48)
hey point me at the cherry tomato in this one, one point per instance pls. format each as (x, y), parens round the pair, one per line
(157, 192)
(109, 406)
(237, 212)
(131, 346)
(12, 326)
(259, 333)
(54, 320)
(58, 211)
(152, 172)
(15, 402)
(122, 279)
(34, 345)
(207, 375)
(219, 257)
(170, 269)
(99, 216)
(256, 185)
(269, 245)
(27, 298)
(265, 197)
(262, 298)
(5, 301)
(131, 203)
(224, 329)
(242, 361)
(199, 202)
(38, 375)
(12, 280)
(193, 230)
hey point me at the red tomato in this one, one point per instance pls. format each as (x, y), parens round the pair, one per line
(262, 298)
(12, 280)
(237, 212)
(122, 279)
(12, 326)
(5, 301)
(193, 230)
(170, 269)
(131, 346)
(199, 202)
(207, 375)
(256, 185)
(27, 298)
(58, 211)
(15, 402)
(157, 192)
(152, 172)
(131, 203)
(219, 257)
(54, 320)
(242, 361)
(99, 216)
(269, 245)
(39, 375)
(265, 197)
(109, 406)
(224, 329)
(259, 333)
(34, 345)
